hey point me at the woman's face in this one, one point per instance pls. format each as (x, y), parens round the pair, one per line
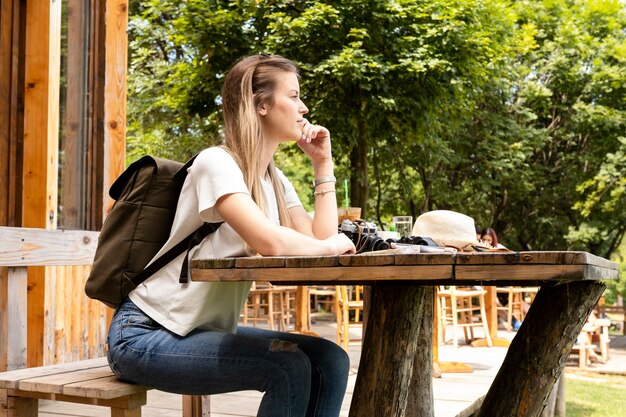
(487, 239)
(282, 119)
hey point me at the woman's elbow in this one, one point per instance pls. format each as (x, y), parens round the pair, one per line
(271, 250)
(271, 247)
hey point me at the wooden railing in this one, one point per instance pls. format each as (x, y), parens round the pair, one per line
(74, 326)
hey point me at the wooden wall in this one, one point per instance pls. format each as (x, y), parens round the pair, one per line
(76, 326)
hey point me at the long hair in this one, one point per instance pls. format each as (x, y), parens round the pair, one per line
(494, 237)
(249, 84)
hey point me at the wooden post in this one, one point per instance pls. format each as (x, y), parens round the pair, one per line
(491, 307)
(390, 352)
(116, 61)
(13, 319)
(12, 21)
(196, 406)
(537, 355)
(41, 142)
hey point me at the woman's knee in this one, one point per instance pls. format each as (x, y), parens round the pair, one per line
(289, 377)
(335, 357)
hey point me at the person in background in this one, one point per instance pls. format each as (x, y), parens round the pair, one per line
(490, 237)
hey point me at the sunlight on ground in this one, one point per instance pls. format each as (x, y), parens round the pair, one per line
(593, 395)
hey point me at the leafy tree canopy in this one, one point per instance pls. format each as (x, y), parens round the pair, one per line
(511, 112)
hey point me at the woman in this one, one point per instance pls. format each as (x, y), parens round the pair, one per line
(184, 338)
(490, 237)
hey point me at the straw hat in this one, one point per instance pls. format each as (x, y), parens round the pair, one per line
(449, 228)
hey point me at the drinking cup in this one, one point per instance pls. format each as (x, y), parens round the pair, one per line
(403, 225)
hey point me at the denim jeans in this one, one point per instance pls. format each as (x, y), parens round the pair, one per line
(300, 375)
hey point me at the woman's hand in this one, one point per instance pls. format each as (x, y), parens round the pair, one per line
(315, 143)
(341, 244)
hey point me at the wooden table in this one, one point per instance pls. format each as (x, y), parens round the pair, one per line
(394, 377)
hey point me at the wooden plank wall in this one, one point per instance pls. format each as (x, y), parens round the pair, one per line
(76, 326)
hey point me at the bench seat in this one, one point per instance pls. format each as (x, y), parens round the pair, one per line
(87, 382)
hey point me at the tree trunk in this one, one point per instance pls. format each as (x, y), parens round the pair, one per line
(537, 355)
(359, 177)
(391, 350)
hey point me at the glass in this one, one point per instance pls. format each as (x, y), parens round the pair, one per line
(403, 225)
(350, 213)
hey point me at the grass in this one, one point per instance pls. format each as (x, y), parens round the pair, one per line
(592, 395)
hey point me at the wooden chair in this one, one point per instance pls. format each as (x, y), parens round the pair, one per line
(321, 302)
(270, 304)
(462, 308)
(348, 300)
(593, 342)
(517, 298)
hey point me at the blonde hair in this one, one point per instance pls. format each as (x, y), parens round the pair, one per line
(249, 84)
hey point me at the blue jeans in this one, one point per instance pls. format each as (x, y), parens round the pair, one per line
(300, 375)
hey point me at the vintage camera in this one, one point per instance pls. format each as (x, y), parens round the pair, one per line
(363, 235)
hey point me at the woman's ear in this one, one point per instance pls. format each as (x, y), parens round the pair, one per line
(262, 110)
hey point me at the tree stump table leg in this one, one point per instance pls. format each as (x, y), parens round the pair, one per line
(387, 376)
(537, 355)
(421, 402)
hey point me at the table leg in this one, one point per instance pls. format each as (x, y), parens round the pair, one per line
(421, 401)
(394, 367)
(537, 355)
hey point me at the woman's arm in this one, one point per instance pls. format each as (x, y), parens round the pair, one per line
(269, 239)
(316, 144)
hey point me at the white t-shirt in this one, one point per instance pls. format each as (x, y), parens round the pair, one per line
(182, 308)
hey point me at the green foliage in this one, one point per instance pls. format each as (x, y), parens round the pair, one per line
(513, 113)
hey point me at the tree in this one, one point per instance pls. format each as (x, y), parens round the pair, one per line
(511, 113)
(375, 72)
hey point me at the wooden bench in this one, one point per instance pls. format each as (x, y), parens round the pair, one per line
(86, 382)
(594, 337)
(619, 310)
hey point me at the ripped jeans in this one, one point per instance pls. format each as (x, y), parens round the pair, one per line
(300, 375)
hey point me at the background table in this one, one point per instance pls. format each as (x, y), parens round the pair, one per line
(394, 377)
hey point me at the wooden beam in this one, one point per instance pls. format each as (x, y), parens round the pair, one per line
(21, 246)
(73, 141)
(116, 44)
(41, 127)
(12, 27)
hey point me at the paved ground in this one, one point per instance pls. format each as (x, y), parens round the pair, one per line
(453, 393)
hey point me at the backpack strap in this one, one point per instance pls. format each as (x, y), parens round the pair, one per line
(187, 244)
(204, 230)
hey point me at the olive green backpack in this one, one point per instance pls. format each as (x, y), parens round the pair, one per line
(137, 227)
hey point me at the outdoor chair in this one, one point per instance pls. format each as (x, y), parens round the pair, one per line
(463, 309)
(517, 298)
(349, 313)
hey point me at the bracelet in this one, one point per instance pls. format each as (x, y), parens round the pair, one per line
(316, 193)
(324, 180)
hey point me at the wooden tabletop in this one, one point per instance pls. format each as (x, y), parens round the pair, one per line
(518, 268)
